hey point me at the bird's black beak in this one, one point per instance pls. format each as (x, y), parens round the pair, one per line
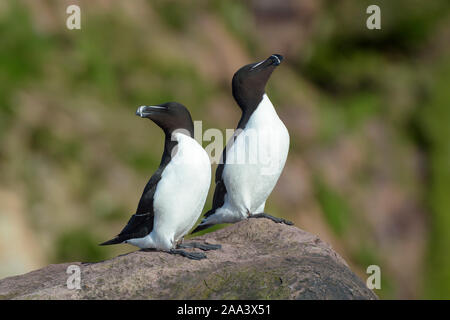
(147, 111)
(276, 59)
(273, 60)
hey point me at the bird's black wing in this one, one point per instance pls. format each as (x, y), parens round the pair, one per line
(146, 202)
(141, 223)
(220, 190)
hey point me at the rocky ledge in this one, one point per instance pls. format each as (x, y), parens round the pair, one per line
(259, 259)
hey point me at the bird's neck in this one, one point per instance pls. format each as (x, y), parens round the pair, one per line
(168, 153)
(248, 107)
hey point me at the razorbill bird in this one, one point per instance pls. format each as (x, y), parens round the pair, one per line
(255, 156)
(174, 196)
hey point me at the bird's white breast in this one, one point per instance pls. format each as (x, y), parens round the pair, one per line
(256, 159)
(181, 193)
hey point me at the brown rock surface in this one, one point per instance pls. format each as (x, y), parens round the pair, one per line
(259, 259)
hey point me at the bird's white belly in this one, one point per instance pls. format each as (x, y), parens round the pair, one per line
(180, 195)
(255, 161)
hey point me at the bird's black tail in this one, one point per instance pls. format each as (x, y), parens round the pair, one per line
(202, 226)
(116, 240)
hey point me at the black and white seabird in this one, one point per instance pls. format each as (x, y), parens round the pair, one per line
(255, 156)
(174, 196)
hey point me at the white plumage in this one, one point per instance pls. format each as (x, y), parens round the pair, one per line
(254, 163)
(180, 195)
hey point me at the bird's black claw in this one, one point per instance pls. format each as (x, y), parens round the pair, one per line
(202, 246)
(289, 223)
(209, 246)
(189, 255)
(274, 219)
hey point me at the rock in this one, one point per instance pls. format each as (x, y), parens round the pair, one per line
(259, 259)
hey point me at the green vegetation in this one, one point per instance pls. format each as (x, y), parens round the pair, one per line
(76, 245)
(22, 51)
(175, 14)
(336, 210)
(376, 105)
(353, 66)
(435, 119)
(238, 20)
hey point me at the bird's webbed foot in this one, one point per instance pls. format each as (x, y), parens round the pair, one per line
(274, 219)
(189, 255)
(202, 246)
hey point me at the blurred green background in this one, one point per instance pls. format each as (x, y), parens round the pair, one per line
(368, 112)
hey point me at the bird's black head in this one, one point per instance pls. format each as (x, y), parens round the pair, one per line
(249, 82)
(169, 116)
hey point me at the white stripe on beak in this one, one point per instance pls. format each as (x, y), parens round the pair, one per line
(139, 111)
(278, 59)
(257, 64)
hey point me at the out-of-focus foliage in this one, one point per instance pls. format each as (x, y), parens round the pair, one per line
(367, 110)
(434, 120)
